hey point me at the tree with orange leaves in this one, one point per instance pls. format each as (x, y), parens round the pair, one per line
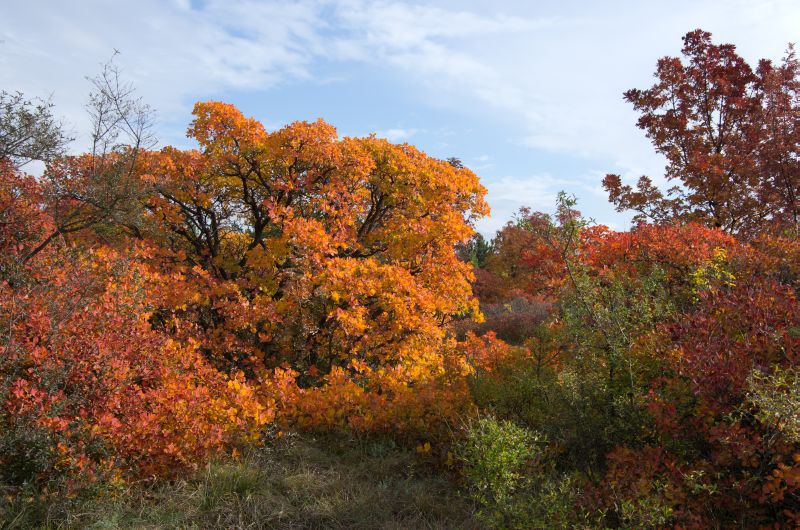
(331, 259)
(306, 249)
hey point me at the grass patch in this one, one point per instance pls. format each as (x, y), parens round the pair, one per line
(298, 482)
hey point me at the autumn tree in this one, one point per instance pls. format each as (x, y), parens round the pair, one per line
(730, 136)
(89, 389)
(527, 254)
(779, 150)
(331, 257)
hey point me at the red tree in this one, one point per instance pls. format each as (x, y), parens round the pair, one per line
(730, 135)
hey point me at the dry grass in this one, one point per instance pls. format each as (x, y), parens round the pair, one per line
(299, 482)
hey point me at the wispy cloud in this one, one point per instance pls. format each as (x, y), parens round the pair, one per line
(172, 52)
(546, 76)
(558, 76)
(180, 50)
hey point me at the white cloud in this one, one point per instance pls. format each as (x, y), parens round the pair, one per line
(557, 76)
(171, 52)
(175, 53)
(506, 195)
(548, 75)
(396, 134)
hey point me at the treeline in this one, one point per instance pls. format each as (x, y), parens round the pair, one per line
(163, 308)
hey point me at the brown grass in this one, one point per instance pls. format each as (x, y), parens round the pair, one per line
(298, 482)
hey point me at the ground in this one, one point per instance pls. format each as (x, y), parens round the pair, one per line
(296, 482)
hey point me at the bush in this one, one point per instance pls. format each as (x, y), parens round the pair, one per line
(508, 473)
(575, 410)
(495, 453)
(89, 391)
(777, 398)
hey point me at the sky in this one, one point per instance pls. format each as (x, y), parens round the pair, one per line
(528, 94)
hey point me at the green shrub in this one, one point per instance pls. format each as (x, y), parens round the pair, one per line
(495, 454)
(777, 399)
(508, 475)
(575, 410)
(27, 453)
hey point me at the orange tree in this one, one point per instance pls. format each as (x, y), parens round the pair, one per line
(331, 259)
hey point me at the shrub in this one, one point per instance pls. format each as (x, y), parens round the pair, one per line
(495, 453)
(89, 390)
(776, 397)
(509, 474)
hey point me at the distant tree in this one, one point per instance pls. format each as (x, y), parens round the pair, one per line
(28, 130)
(455, 162)
(103, 186)
(476, 251)
(523, 258)
(731, 136)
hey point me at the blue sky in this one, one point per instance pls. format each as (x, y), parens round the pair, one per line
(527, 93)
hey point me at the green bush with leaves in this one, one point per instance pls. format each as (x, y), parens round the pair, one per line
(511, 477)
(495, 454)
(584, 379)
(776, 397)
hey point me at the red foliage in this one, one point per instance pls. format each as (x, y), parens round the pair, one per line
(23, 223)
(730, 134)
(82, 362)
(742, 470)
(732, 333)
(675, 248)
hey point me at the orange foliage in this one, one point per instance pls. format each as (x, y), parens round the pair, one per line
(320, 271)
(674, 247)
(80, 362)
(297, 250)
(392, 400)
(530, 255)
(486, 352)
